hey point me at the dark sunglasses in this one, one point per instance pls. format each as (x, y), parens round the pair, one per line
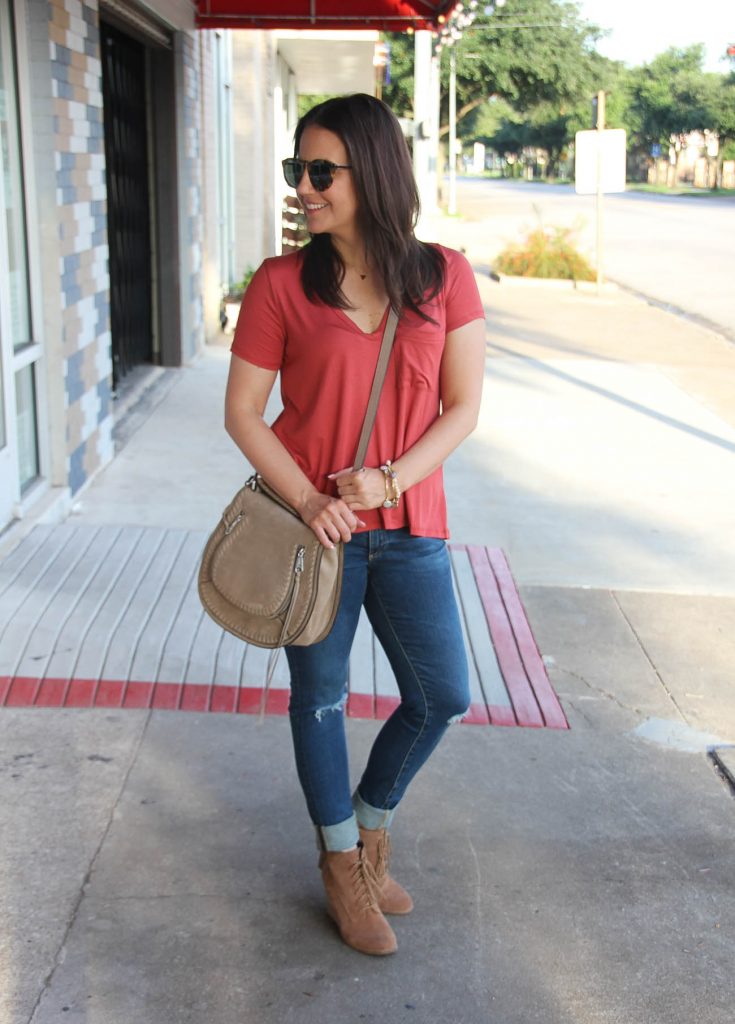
(321, 172)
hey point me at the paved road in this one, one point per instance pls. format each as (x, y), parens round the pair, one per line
(675, 249)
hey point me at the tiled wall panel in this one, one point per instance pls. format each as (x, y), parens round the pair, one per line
(81, 200)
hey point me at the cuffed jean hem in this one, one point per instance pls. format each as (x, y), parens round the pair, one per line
(342, 836)
(371, 817)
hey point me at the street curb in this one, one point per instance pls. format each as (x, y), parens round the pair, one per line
(554, 283)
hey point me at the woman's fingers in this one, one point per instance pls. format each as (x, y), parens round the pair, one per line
(330, 519)
(362, 490)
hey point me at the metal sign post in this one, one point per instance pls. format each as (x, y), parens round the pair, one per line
(599, 167)
(600, 127)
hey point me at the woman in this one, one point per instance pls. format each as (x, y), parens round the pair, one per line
(317, 316)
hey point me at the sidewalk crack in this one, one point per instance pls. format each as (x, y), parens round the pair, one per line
(648, 658)
(58, 958)
(599, 689)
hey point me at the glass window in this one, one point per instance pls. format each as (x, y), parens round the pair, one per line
(12, 165)
(25, 410)
(3, 433)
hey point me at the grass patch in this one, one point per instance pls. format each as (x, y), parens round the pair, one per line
(545, 253)
(681, 190)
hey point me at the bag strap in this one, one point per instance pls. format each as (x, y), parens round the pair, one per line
(380, 370)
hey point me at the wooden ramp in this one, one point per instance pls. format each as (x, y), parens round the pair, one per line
(110, 617)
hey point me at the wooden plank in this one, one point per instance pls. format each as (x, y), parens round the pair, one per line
(15, 562)
(52, 693)
(21, 582)
(498, 709)
(94, 651)
(548, 702)
(64, 660)
(167, 696)
(80, 693)
(157, 629)
(31, 608)
(45, 636)
(22, 693)
(204, 650)
(524, 703)
(178, 643)
(144, 596)
(138, 694)
(92, 614)
(255, 671)
(230, 662)
(224, 698)
(480, 659)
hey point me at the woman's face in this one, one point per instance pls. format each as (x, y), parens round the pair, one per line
(334, 210)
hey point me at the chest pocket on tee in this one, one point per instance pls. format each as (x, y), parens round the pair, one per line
(418, 351)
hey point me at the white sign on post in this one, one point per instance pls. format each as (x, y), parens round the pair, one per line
(599, 153)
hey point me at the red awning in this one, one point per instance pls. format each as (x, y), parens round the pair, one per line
(379, 15)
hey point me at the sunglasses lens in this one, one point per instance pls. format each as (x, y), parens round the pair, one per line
(320, 174)
(293, 171)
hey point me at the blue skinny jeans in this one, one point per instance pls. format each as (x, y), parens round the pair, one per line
(405, 584)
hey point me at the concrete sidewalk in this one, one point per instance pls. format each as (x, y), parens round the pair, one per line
(159, 866)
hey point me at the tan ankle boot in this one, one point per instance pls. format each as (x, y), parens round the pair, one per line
(392, 898)
(350, 885)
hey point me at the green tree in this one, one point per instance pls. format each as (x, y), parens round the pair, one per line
(668, 97)
(721, 117)
(527, 52)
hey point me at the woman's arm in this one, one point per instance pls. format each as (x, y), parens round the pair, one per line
(462, 374)
(248, 388)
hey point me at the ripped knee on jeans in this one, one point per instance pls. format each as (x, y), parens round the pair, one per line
(455, 719)
(337, 706)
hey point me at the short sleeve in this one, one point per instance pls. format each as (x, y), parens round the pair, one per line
(462, 296)
(260, 334)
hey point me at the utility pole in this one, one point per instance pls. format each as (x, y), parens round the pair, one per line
(600, 128)
(424, 162)
(452, 205)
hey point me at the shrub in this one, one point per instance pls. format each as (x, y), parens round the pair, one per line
(546, 252)
(236, 290)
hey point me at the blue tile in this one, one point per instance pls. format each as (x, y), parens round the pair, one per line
(59, 71)
(72, 262)
(77, 476)
(73, 295)
(74, 383)
(104, 393)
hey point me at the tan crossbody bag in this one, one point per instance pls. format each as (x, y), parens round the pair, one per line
(264, 576)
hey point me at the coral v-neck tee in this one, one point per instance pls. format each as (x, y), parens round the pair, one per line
(327, 364)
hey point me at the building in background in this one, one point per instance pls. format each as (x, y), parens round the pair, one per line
(140, 175)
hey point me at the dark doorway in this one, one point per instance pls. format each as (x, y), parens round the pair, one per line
(128, 206)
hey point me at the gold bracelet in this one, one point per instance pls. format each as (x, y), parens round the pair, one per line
(392, 490)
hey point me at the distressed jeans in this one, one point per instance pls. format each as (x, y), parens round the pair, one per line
(405, 585)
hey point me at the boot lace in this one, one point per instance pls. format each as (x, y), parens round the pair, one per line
(364, 883)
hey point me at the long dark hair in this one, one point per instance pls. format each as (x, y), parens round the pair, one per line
(388, 207)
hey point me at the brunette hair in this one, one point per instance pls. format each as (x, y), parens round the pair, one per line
(387, 207)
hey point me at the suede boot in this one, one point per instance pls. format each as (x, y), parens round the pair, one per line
(392, 898)
(349, 882)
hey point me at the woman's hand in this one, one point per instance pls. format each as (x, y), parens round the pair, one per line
(362, 490)
(330, 518)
